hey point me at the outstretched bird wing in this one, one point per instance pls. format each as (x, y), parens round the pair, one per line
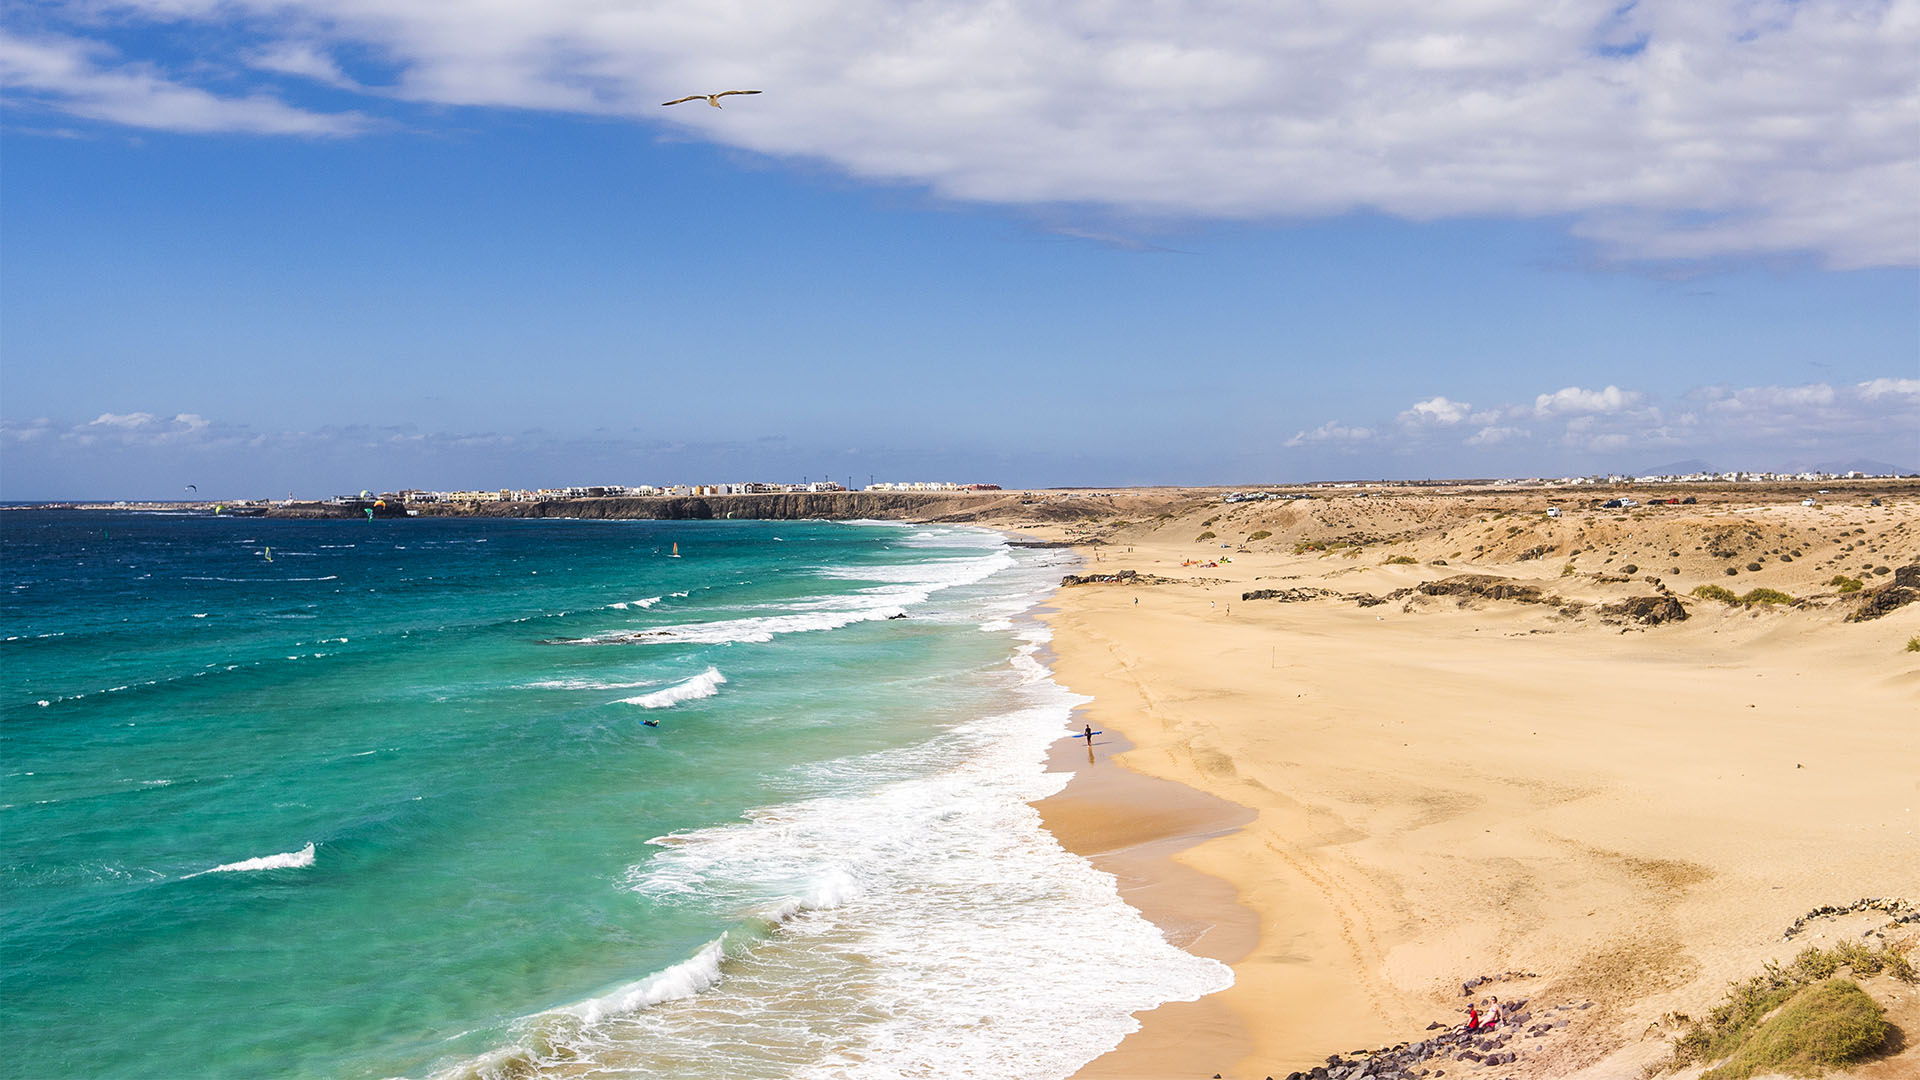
(689, 97)
(724, 93)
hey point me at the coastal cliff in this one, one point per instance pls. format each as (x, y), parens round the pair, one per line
(791, 506)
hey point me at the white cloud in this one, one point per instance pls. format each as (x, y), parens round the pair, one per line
(1878, 388)
(303, 59)
(1437, 410)
(1574, 399)
(1679, 130)
(1331, 431)
(122, 420)
(1490, 436)
(1771, 398)
(1814, 421)
(78, 77)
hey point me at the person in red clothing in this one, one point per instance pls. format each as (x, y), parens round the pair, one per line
(1473, 1018)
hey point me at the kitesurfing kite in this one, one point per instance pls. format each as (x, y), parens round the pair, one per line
(711, 99)
(193, 487)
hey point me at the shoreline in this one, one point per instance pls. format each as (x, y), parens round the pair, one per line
(1135, 827)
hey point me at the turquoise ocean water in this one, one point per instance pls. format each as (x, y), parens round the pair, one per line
(377, 799)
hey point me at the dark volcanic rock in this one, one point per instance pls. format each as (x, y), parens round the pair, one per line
(1118, 577)
(1483, 587)
(1884, 599)
(1648, 610)
(1285, 596)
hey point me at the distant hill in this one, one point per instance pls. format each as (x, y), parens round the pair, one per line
(1871, 468)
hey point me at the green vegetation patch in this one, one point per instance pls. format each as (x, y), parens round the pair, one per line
(1822, 1026)
(1820, 1021)
(1716, 592)
(1208, 535)
(1765, 596)
(1402, 560)
(1846, 584)
(1261, 535)
(1913, 644)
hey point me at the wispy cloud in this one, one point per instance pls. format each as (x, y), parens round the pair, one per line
(1877, 416)
(84, 79)
(1660, 131)
(1332, 431)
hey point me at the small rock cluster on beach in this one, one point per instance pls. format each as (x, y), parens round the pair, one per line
(1455, 1048)
(1899, 911)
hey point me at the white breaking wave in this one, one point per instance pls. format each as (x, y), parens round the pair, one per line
(289, 860)
(567, 1024)
(641, 604)
(704, 685)
(682, 980)
(903, 586)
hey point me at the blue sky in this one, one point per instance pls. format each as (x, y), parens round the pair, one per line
(278, 246)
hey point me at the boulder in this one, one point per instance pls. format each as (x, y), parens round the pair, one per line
(1647, 610)
(1482, 587)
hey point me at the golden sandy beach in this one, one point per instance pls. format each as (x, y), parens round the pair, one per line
(1371, 805)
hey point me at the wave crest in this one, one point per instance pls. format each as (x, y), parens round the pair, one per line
(704, 685)
(286, 860)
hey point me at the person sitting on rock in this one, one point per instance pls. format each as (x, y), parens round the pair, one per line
(1493, 1014)
(1473, 1018)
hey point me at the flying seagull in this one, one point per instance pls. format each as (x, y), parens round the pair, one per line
(711, 99)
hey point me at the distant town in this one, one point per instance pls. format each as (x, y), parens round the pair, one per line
(602, 491)
(619, 491)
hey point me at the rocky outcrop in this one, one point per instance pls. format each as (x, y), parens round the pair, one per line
(1285, 596)
(352, 508)
(1483, 587)
(1646, 610)
(1118, 577)
(1903, 590)
(1454, 1049)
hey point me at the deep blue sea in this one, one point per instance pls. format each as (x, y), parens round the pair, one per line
(381, 798)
